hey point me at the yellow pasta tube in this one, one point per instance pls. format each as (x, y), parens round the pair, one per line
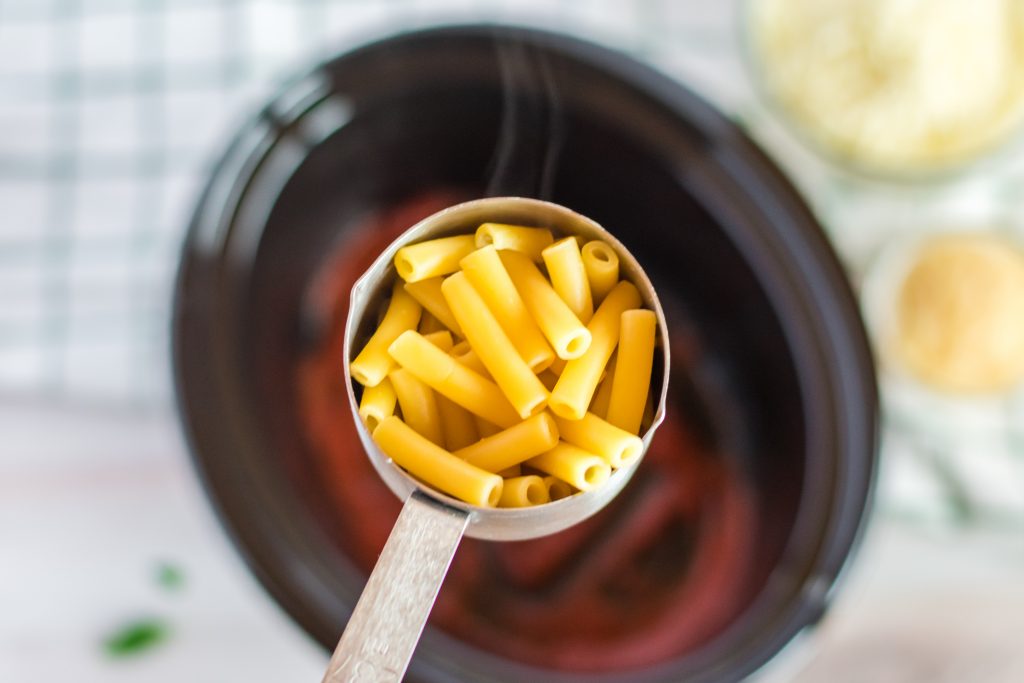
(383, 310)
(568, 277)
(373, 362)
(428, 294)
(648, 416)
(567, 335)
(418, 404)
(631, 380)
(599, 404)
(461, 348)
(601, 264)
(616, 446)
(558, 366)
(446, 376)
(459, 425)
(508, 472)
(512, 446)
(485, 428)
(492, 345)
(428, 259)
(442, 340)
(573, 465)
(436, 466)
(571, 396)
(529, 241)
(429, 324)
(377, 403)
(484, 270)
(557, 489)
(521, 492)
(472, 361)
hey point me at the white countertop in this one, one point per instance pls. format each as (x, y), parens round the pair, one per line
(92, 501)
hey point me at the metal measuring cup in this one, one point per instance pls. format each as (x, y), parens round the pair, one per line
(387, 621)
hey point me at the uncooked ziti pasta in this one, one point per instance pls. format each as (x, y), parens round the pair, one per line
(489, 376)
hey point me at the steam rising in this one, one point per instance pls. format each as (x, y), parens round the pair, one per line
(532, 128)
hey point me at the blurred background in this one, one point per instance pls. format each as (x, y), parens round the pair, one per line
(112, 112)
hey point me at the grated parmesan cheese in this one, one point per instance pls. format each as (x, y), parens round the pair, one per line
(960, 314)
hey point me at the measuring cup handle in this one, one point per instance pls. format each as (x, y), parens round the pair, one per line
(384, 628)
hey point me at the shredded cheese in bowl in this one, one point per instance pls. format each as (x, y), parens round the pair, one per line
(895, 85)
